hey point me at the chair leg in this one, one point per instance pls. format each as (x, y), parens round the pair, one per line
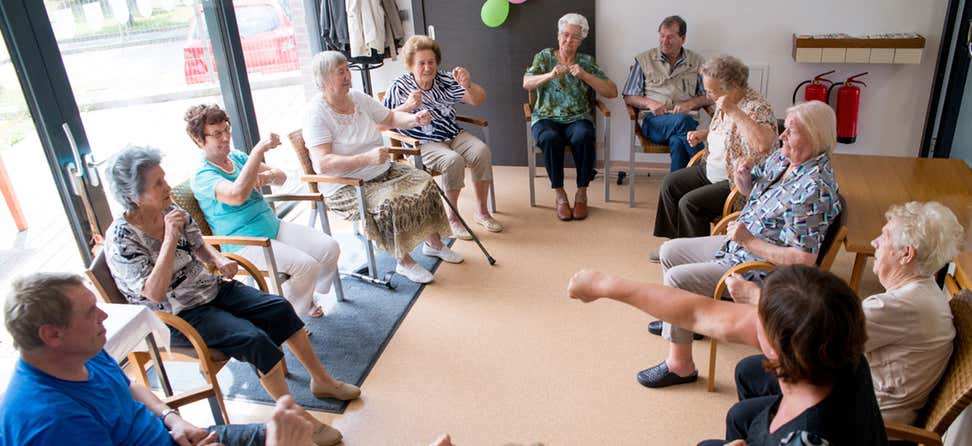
(631, 172)
(713, 344)
(219, 403)
(140, 360)
(532, 165)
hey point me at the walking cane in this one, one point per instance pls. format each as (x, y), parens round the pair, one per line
(455, 212)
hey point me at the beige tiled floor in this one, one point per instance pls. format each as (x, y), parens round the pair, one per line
(498, 355)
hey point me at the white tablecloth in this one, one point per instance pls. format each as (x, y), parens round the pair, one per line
(128, 325)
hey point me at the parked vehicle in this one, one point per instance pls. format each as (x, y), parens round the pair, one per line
(266, 34)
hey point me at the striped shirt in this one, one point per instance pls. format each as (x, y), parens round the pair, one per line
(440, 101)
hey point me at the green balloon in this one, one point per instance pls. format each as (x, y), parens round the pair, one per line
(494, 12)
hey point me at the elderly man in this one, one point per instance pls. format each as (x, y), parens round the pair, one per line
(665, 85)
(66, 388)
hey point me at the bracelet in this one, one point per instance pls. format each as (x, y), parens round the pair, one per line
(167, 412)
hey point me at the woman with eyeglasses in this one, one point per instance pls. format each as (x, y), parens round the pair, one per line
(227, 186)
(564, 79)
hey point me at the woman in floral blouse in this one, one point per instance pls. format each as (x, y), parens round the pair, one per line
(743, 127)
(562, 116)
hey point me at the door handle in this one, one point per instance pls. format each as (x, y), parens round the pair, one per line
(83, 165)
(432, 32)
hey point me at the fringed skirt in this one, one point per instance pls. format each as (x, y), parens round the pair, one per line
(403, 209)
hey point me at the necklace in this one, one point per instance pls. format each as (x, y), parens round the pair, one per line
(221, 166)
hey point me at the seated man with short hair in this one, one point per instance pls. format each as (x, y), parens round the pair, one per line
(65, 388)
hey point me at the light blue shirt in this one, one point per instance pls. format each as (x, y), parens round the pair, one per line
(253, 218)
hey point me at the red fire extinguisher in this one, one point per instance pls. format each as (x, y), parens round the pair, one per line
(848, 107)
(816, 91)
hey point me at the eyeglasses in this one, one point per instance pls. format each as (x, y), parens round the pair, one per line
(219, 133)
(573, 37)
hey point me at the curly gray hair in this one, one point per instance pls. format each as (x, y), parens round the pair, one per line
(573, 18)
(126, 173)
(930, 228)
(35, 300)
(728, 71)
(323, 64)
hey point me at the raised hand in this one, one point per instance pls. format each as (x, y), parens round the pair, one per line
(576, 71)
(423, 118)
(726, 105)
(270, 142)
(413, 101)
(581, 286)
(559, 71)
(174, 221)
(461, 75)
(743, 168)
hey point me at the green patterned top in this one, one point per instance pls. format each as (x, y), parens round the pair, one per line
(563, 100)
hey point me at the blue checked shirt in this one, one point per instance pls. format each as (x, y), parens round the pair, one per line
(792, 212)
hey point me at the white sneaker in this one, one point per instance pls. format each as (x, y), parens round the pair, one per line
(415, 273)
(445, 253)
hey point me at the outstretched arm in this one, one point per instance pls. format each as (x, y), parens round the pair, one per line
(725, 321)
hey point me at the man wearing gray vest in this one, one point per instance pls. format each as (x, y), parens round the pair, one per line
(665, 85)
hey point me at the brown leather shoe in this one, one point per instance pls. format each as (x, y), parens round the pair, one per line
(580, 207)
(563, 210)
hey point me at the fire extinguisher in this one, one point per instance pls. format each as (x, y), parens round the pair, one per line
(848, 107)
(816, 91)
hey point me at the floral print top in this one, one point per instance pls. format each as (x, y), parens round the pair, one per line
(566, 99)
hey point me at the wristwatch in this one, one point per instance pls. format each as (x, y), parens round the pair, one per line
(167, 412)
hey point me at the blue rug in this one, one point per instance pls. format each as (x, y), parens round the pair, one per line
(348, 340)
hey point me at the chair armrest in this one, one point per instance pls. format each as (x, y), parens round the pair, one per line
(236, 240)
(901, 431)
(395, 136)
(331, 180)
(697, 158)
(273, 198)
(603, 108)
(527, 111)
(632, 112)
(745, 267)
(473, 121)
(190, 333)
(734, 195)
(404, 151)
(251, 270)
(720, 227)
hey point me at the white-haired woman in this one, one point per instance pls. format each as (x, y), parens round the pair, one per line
(743, 128)
(792, 202)
(446, 147)
(909, 326)
(341, 131)
(562, 116)
(156, 255)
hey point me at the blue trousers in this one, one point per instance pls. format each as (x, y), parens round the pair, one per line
(245, 323)
(552, 136)
(671, 129)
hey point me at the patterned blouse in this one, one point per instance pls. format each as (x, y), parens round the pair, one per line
(132, 254)
(793, 212)
(757, 108)
(440, 100)
(565, 99)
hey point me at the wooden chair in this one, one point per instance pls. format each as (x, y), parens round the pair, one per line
(399, 140)
(734, 201)
(210, 360)
(182, 195)
(829, 248)
(319, 208)
(533, 150)
(953, 392)
(644, 145)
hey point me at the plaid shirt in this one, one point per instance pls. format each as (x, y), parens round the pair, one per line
(793, 212)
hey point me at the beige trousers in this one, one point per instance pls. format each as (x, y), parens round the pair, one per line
(450, 158)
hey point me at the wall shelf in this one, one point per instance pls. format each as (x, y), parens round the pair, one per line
(858, 50)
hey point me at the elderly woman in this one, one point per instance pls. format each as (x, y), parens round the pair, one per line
(792, 202)
(226, 185)
(156, 255)
(341, 131)
(743, 128)
(811, 329)
(446, 147)
(909, 326)
(562, 116)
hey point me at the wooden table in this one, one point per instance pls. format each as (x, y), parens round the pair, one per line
(131, 328)
(871, 184)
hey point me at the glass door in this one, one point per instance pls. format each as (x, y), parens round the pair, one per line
(961, 147)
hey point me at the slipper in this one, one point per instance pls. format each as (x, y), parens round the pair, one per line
(317, 312)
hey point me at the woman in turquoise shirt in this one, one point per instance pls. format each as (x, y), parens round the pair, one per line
(562, 116)
(226, 185)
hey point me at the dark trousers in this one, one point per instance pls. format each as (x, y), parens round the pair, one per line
(245, 323)
(552, 137)
(240, 434)
(688, 203)
(757, 389)
(671, 129)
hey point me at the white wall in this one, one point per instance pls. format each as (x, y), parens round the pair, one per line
(893, 105)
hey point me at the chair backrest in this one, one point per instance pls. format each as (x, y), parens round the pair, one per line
(954, 392)
(100, 276)
(834, 237)
(182, 196)
(303, 156)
